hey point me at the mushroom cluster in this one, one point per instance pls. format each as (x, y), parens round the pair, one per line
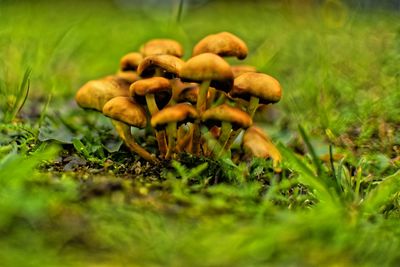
(199, 106)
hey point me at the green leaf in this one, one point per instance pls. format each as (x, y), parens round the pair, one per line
(382, 193)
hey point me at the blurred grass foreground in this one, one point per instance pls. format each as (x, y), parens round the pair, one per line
(71, 196)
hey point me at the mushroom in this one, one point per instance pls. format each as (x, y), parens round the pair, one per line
(224, 44)
(187, 92)
(240, 69)
(130, 62)
(170, 117)
(256, 88)
(125, 113)
(160, 65)
(128, 65)
(147, 89)
(162, 47)
(257, 143)
(207, 69)
(94, 94)
(228, 118)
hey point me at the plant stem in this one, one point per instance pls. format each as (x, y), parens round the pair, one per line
(160, 135)
(171, 133)
(253, 105)
(151, 103)
(226, 128)
(232, 138)
(124, 132)
(202, 98)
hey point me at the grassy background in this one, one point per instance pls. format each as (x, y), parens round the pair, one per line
(339, 68)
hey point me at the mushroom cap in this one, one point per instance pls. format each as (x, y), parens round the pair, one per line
(94, 94)
(162, 47)
(257, 143)
(260, 85)
(208, 66)
(180, 113)
(152, 85)
(171, 65)
(124, 109)
(224, 44)
(128, 75)
(130, 61)
(224, 112)
(156, 85)
(189, 93)
(240, 69)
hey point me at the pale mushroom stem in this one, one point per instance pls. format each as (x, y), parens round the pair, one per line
(201, 106)
(124, 132)
(174, 88)
(253, 105)
(226, 128)
(160, 135)
(201, 101)
(171, 132)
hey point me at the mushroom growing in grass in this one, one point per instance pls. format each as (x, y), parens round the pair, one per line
(162, 47)
(207, 69)
(125, 113)
(257, 144)
(94, 94)
(128, 66)
(257, 88)
(169, 118)
(145, 91)
(160, 66)
(229, 118)
(224, 44)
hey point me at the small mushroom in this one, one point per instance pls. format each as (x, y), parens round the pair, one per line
(162, 47)
(160, 65)
(170, 117)
(207, 69)
(188, 92)
(128, 65)
(94, 94)
(256, 88)
(228, 118)
(130, 62)
(125, 113)
(257, 143)
(224, 44)
(240, 69)
(148, 89)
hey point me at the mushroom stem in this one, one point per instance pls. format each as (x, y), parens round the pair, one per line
(220, 100)
(160, 135)
(253, 105)
(196, 139)
(151, 103)
(171, 133)
(124, 132)
(202, 98)
(175, 91)
(226, 128)
(232, 138)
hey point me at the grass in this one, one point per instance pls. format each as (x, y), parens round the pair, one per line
(72, 195)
